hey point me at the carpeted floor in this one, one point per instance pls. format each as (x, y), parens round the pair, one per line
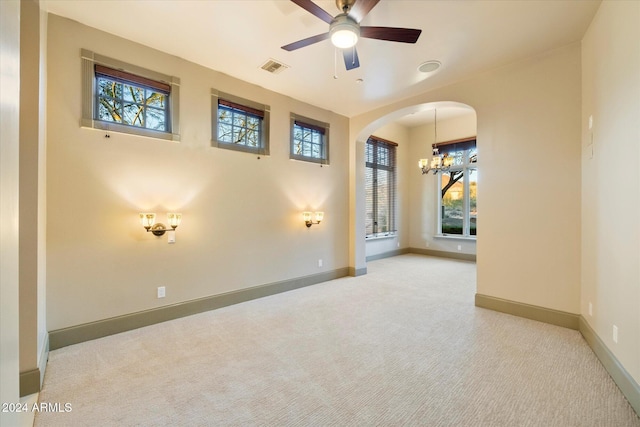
(403, 345)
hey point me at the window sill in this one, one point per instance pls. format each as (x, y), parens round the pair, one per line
(455, 237)
(386, 236)
(258, 151)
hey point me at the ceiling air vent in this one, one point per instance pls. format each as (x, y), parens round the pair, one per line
(273, 66)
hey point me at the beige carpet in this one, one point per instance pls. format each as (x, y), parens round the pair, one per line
(401, 346)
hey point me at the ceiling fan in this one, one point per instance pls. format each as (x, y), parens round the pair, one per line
(345, 29)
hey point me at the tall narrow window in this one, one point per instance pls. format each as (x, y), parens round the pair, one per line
(380, 187)
(239, 124)
(457, 213)
(126, 98)
(309, 140)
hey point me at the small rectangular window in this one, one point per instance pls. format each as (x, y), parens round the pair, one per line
(126, 98)
(309, 140)
(239, 124)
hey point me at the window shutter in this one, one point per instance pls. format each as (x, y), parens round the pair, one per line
(310, 126)
(235, 106)
(112, 73)
(455, 145)
(380, 186)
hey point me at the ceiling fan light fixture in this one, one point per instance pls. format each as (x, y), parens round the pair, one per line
(344, 32)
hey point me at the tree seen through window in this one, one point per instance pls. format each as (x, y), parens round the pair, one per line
(129, 104)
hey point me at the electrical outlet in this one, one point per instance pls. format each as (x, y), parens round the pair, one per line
(590, 309)
(459, 247)
(615, 334)
(320, 263)
(161, 292)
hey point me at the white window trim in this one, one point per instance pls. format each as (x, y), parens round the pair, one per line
(455, 237)
(88, 120)
(466, 208)
(382, 236)
(264, 131)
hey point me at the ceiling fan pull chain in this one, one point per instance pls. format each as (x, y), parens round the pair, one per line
(335, 63)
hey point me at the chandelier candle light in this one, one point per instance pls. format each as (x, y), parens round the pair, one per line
(439, 162)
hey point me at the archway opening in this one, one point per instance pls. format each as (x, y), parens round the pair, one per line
(433, 213)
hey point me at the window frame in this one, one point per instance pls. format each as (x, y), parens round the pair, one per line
(466, 145)
(393, 188)
(321, 127)
(138, 75)
(247, 106)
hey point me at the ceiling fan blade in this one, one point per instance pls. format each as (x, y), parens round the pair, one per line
(403, 35)
(306, 42)
(351, 60)
(361, 8)
(314, 9)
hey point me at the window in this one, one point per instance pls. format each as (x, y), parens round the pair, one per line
(380, 187)
(125, 98)
(239, 124)
(457, 213)
(309, 140)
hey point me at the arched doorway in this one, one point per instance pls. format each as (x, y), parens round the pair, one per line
(435, 213)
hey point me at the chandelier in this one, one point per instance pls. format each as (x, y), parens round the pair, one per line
(439, 162)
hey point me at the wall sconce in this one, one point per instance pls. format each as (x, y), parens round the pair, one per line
(306, 216)
(148, 221)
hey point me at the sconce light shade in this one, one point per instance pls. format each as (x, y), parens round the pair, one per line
(147, 220)
(307, 217)
(174, 219)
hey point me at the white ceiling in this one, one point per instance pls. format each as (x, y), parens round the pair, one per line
(237, 36)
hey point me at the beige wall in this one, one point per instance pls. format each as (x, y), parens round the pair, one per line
(238, 208)
(424, 188)
(43, 335)
(241, 224)
(32, 329)
(400, 135)
(528, 117)
(9, 209)
(610, 179)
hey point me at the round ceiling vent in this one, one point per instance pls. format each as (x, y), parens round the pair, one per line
(429, 66)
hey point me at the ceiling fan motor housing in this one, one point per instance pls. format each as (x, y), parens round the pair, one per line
(345, 5)
(344, 31)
